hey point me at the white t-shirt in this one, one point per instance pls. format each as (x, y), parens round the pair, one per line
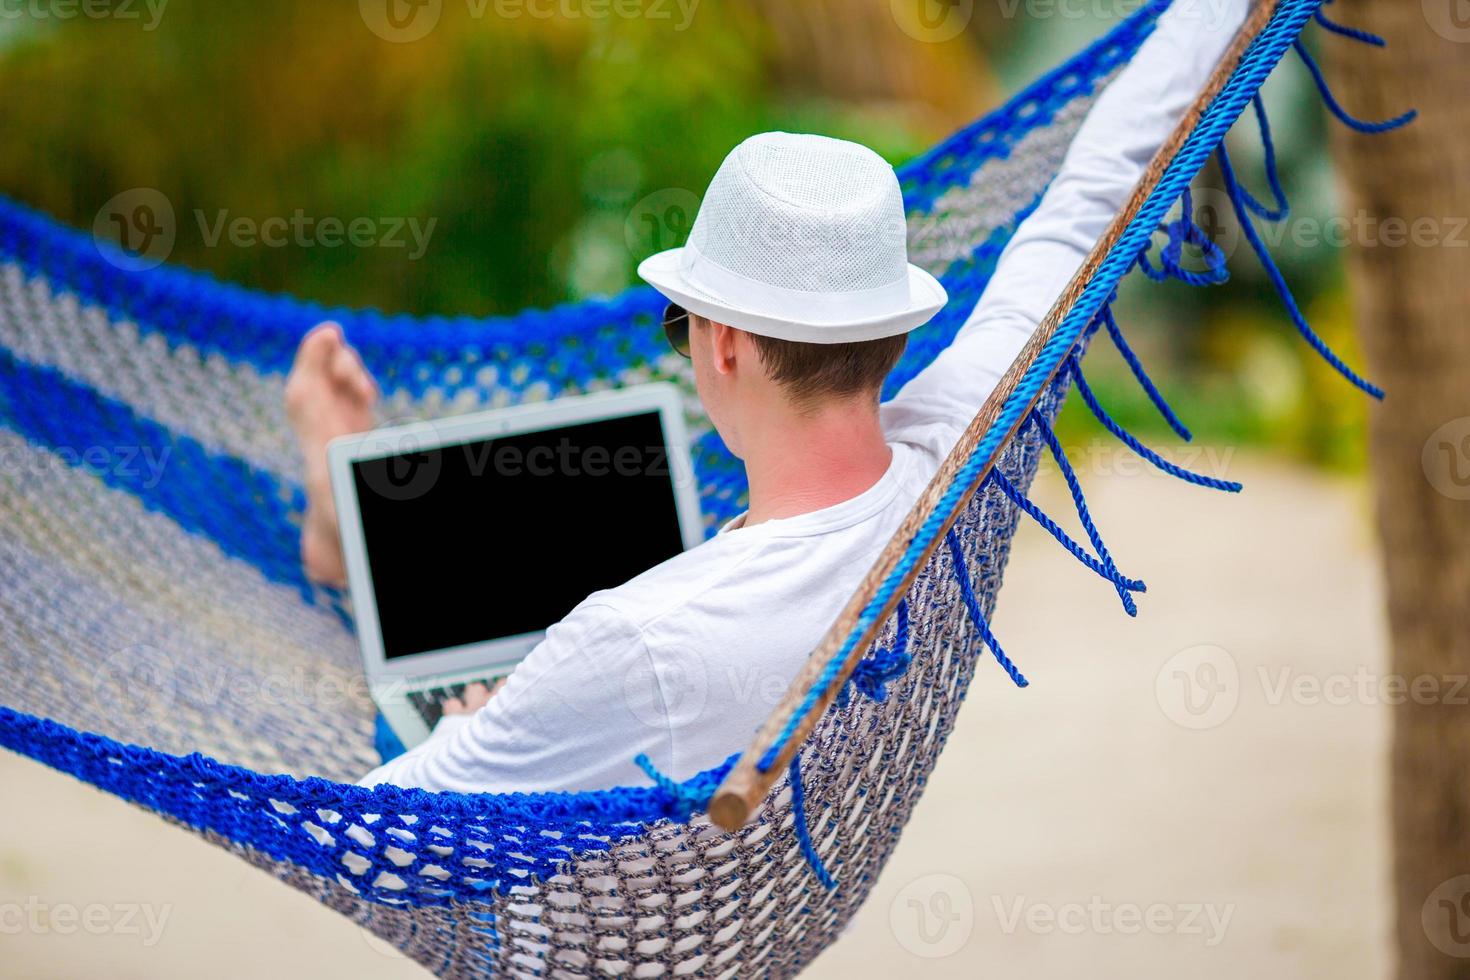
(686, 661)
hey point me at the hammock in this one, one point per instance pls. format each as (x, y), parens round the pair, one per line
(160, 641)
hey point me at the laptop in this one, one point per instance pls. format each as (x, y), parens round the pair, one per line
(466, 538)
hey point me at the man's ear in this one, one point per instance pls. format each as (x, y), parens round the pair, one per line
(723, 343)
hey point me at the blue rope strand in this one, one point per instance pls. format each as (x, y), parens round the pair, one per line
(1054, 445)
(1063, 538)
(1185, 231)
(1273, 177)
(1336, 108)
(1127, 438)
(1188, 232)
(803, 834)
(972, 605)
(873, 673)
(1352, 32)
(1248, 228)
(685, 801)
(1136, 366)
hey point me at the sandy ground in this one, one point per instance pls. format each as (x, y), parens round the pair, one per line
(1198, 792)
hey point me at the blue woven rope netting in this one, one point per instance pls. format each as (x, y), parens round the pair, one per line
(160, 641)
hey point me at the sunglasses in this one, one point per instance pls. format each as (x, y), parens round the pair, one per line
(676, 328)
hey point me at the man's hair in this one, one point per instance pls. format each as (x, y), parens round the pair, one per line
(812, 372)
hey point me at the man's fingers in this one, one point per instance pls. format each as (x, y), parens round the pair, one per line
(475, 697)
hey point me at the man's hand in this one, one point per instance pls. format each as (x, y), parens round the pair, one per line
(476, 696)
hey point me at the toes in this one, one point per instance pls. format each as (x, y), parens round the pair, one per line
(318, 347)
(313, 359)
(349, 372)
(321, 556)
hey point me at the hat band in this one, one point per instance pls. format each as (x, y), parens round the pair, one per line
(741, 292)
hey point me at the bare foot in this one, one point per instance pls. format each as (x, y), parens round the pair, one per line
(329, 393)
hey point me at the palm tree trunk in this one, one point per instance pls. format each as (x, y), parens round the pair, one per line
(1409, 268)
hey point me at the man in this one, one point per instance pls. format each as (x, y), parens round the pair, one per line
(793, 299)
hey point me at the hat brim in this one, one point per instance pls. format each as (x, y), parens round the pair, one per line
(664, 272)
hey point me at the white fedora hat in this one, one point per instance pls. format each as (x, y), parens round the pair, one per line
(800, 238)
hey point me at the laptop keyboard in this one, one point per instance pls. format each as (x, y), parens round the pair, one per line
(429, 703)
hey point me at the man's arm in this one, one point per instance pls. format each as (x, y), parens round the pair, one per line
(573, 715)
(1121, 134)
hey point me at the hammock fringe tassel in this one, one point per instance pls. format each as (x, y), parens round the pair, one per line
(883, 666)
(803, 832)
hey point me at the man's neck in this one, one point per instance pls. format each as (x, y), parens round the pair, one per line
(800, 464)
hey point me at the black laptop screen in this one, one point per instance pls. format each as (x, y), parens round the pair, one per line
(501, 537)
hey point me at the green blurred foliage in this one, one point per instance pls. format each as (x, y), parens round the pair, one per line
(548, 152)
(527, 141)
